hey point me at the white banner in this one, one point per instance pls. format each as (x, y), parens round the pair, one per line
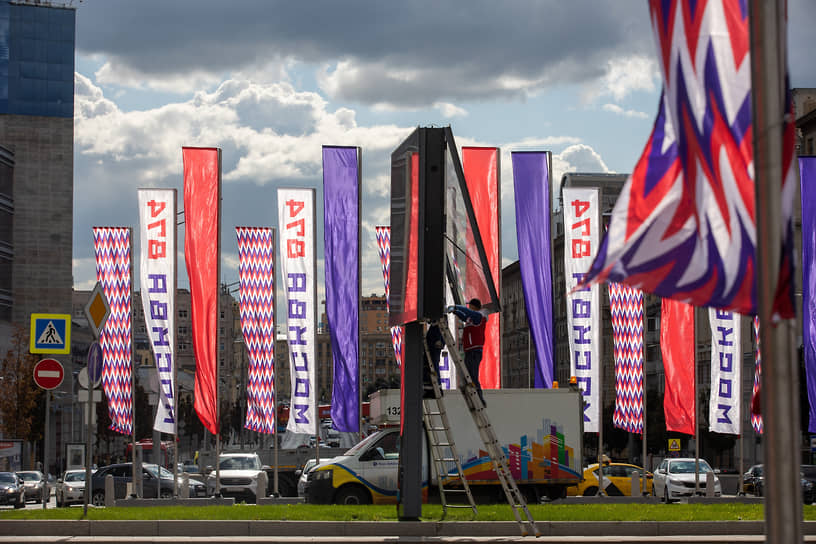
(581, 236)
(296, 219)
(724, 414)
(157, 215)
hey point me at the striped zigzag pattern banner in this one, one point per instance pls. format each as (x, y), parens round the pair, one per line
(256, 277)
(626, 306)
(383, 235)
(113, 257)
(756, 418)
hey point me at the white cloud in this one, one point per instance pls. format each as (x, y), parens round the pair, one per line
(624, 76)
(450, 110)
(115, 74)
(614, 108)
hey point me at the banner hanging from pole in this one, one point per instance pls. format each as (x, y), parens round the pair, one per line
(256, 279)
(202, 229)
(626, 307)
(531, 180)
(807, 172)
(341, 244)
(296, 225)
(157, 277)
(113, 271)
(677, 349)
(725, 401)
(756, 408)
(581, 232)
(481, 168)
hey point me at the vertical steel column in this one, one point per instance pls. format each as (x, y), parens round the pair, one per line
(780, 377)
(411, 453)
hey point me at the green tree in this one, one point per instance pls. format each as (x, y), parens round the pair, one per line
(21, 397)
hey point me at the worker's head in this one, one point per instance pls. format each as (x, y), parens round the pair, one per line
(475, 304)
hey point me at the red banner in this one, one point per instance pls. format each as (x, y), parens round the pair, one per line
(481, 166)
(202, 218)
(677, 348)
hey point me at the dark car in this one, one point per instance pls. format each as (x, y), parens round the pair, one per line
(752, 480)
(157, 482)
(12, 491)
(809, 476)
(36, 487)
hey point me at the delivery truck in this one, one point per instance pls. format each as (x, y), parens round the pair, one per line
(540, 431)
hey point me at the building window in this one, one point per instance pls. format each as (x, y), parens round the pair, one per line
(182, 313)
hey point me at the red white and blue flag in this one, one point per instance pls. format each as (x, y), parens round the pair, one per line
(256, 278)
(626, 307)
(684, 226)
(113, 256)
(756, 415)
(383, 235)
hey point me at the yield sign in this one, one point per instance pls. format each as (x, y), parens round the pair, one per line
(48, 373)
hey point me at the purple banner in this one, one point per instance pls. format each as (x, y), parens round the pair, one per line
(807, 171)
(531, 180)
(341, 235)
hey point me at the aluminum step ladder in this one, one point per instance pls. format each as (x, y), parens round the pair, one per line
(452, 480)
(492, 445)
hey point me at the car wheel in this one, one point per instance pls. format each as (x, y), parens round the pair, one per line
(590, 491)
(98, 498)
(166, 494)
(666, 498)
(352, 495)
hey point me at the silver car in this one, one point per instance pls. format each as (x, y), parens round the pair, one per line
(676, 478)
(70, 488)
(36, 488)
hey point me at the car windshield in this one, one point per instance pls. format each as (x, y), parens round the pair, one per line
(74, 477)
(30, 476)
(809, 471)
(364, 444)
(7, 478)
(249, 462)
(153, 468)
(687, 467)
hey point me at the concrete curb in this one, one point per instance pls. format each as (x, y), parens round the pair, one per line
(325, 529)
(211, 501)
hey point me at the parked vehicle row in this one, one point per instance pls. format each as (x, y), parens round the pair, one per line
(12, 490)
(753, 482)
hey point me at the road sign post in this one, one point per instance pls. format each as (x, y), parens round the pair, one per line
(48, 374)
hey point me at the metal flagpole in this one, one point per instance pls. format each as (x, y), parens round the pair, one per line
(696, 408)
(275, 373)
(780, 378)
(644, 480)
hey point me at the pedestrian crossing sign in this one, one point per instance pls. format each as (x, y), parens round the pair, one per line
(674, 444)
(50, 333)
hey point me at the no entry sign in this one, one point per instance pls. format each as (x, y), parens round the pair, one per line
(48, 373)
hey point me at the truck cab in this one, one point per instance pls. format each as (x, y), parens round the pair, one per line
(365, 474)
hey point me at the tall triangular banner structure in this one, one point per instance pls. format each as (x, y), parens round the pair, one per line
(113, 271)
(256, 279)
(202, 232)
(684, 226)
(157, 276)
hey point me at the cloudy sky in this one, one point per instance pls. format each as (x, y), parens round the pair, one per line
(271, 82)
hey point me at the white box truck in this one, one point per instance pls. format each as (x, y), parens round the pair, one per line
(540, 430)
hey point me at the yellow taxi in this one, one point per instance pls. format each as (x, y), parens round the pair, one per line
(617, 480)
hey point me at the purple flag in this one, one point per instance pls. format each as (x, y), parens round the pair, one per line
(531, 178)
(807, 171)
(341, 236)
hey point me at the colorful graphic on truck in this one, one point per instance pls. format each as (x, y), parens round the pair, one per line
(546, 458)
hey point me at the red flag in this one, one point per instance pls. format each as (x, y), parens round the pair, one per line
(481, 166)
(677, 348)
(202, 219)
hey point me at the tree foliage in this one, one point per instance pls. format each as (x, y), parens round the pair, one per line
(21, 396)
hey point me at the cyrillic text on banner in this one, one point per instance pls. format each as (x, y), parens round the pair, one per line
(581, 233)
(724, 414)
(296, 212)
(157, 276)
